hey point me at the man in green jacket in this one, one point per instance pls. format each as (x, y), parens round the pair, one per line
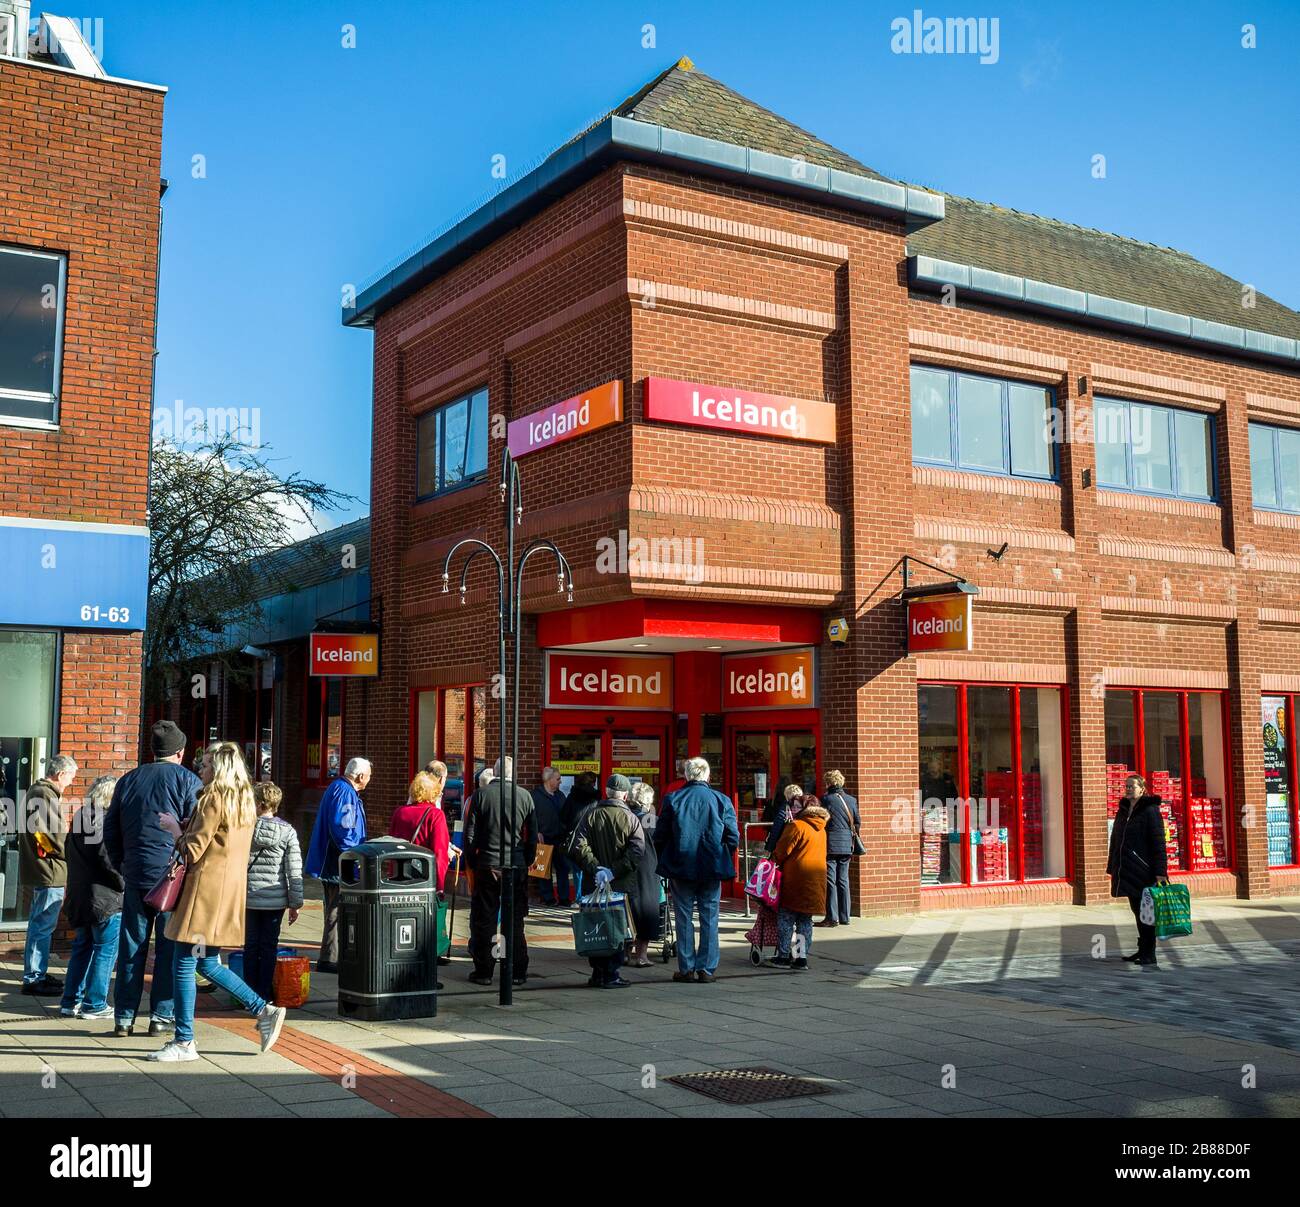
(608, 847)
(43, 867)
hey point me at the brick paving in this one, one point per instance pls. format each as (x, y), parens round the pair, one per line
(1002, 1013)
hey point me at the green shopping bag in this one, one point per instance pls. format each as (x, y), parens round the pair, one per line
(600, 924)
(444, 938)
(1173, 909)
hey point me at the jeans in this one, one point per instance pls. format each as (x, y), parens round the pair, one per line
(837, 888)
(210, 965)
(687, 899)
(41, 921)
(261, 940)
(138, 923)
(787, 922)
(329, 939)
(90, 966)
(560, 871)
(1146, 934)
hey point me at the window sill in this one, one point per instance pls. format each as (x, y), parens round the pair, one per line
(1161, 504)
(451, 499)
(965, 479)
(1267, 518)
(31, 425)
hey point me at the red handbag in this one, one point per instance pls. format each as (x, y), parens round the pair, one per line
(164, 895)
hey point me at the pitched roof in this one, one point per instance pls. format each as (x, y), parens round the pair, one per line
(685, 99)
(1076, 257)
(315, 559)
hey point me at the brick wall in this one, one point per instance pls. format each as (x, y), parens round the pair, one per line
(81, 167)
(646, 271)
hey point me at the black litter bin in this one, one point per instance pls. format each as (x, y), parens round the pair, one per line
(388, 902)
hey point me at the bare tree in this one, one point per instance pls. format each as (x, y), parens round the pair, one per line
(217, 509)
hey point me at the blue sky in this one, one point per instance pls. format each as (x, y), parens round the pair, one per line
(324, 164)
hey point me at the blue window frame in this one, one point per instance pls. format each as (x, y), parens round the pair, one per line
(988, 425)
(451, 445)
(1154, 450)
(1275, 467)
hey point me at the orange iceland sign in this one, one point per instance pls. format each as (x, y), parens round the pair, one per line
(343, 654)
(608, 680)
(781, 679)
(587, 412)
(940, 622)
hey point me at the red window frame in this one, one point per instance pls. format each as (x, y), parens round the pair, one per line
(1293, 779)
(440, 719)
(321, 684)
(963, 783)
(1185, 758)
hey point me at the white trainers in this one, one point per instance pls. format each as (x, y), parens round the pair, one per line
(103, 1012)
(269, 1023)
(70, 1011)
(174, 1051)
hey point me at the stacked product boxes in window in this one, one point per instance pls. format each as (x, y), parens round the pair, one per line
(1169, 788)
(991, 852)
(934, 837)
(1208, 842)
(1278, 820)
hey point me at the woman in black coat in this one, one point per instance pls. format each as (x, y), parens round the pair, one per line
(94, 906)
(645, 900)
(1137, 858)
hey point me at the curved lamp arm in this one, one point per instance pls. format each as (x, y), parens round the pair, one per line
(480, 547)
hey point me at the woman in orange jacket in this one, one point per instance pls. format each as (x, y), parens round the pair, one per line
(800, 853)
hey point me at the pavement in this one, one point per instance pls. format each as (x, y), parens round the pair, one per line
(1006, 1012)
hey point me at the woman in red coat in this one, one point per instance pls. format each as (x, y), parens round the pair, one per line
(800, 853)
(421, 821)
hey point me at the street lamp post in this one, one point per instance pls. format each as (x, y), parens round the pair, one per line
(510, 590)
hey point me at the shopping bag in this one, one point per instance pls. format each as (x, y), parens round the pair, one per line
(444, 934)
(764, 883)
(1173, 910)
(540, 868)
(1147, 909)
(601, 923)
(291, 982)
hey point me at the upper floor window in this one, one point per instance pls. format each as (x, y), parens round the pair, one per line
(984, 424)
(32, 285)
(452, 445)
(1153, 449)
(1275, 467)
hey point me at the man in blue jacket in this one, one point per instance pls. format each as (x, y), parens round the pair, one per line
(697, 839)
(141, 850)
(340, 826)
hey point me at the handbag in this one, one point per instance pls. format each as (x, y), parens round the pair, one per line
(764, 883)
(1147, 909)
(540, 868)
(859, 847)
(164, 895)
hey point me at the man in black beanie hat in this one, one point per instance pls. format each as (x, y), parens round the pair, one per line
(141, 850)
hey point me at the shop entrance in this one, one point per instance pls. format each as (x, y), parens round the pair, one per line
(764, 759)
(637, 749)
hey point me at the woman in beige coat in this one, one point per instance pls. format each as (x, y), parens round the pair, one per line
(210, 912)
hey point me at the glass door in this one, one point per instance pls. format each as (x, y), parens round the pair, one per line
(751, 769)
(637, 755)
(572, 751)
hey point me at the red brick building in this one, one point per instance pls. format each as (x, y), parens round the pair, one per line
(79, 229)
(820, 372)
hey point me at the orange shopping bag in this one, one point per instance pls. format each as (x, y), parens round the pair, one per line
(291, 984)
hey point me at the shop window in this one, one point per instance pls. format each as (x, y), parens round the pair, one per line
(28, 673)
(992, 784)
(450, 724)
(1176, 741)
(1280, 817)
(32, 287)
(1275, 467)
(985, 424)
(711, 742)
(1153, 449)
(451, 445)
(323, 731)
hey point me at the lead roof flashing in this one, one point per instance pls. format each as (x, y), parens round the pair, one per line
(1024, 293)
(622, 138)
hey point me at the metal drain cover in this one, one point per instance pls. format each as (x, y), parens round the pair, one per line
(743, 1087)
